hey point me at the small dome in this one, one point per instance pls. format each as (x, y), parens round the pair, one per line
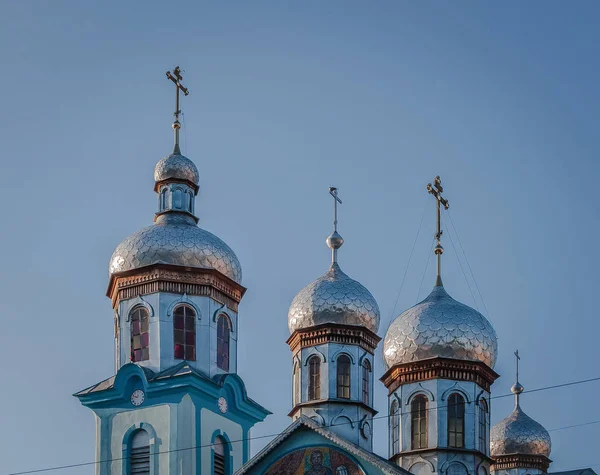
(439, 326)
(519, 434)
(175, 240)
(334, 298)
(176, 166)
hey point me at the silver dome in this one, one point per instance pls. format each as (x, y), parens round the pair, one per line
(334, 298)
(176, 166)
(175, 240)
(519, 434)
(439, 326)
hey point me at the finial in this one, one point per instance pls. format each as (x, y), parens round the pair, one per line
(334, 241)
(517, 388)
(176, 77)
(436, 190)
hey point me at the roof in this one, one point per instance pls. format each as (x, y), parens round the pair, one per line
(303, 421)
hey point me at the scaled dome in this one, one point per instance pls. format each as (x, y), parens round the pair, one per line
(440, 326)
(178, 167)
(334, 298)
(519, 434)
(178, 241)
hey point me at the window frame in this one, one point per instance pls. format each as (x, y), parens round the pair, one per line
(343, 376)
(296, 384)
(314, 378)
(139, 455)
(366, 381)
(483, 425)
(419, 422)
(220, 453)
(456, 421)
(395, 427)
(188, 349)
(143, 317)
(224, 343)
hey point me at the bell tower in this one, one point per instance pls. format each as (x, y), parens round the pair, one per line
(333, 326)
(440, 356)
(176, 404)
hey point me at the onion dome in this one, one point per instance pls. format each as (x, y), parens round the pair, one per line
(440, 326)
(519, 434)
(178, 167)
(334, 297)
(179, 241)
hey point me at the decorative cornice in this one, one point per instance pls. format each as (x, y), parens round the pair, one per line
(323, 402)
(506, 462)
(439, 368)
(431, 450)
(334, 333)
(175, 279)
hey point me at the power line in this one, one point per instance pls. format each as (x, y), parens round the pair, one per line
(386, 416)
(426, 266)
(410, 257)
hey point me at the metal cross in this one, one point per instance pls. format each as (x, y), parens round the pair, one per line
(436, 190)
(518, 358)
(176, 77)
(333, 191)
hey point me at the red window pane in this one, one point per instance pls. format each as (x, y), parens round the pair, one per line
(179, 337)
(190, 338)
(179, 351)
(178, 321)
(137, 355)
(190, 353)
(135, 327)
(145, 340)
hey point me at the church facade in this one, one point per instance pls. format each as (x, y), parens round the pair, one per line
(176, 404)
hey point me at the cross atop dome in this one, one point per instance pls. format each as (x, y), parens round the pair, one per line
(334, 241)
(436, 190)
(176, 77)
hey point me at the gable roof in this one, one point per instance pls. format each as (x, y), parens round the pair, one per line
(384, 465)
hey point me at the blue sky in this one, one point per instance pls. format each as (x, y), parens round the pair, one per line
(287, 99)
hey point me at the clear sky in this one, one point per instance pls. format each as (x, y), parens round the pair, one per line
(288, 98)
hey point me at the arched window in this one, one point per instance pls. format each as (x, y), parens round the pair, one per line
(456, 421)
(314, 378)
(366, 381)
(190, 201)
(456, 469)
(140, 337)
(184, 331)
(223, 337)
(177, 198)
(297, 397)
(220, 456)
(395, 427)
(418, 417)
(483, 432)
(139, 453)
(163, 198)
(343, 377)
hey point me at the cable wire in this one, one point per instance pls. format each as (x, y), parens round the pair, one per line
(426, 266)
(409, 258)
(386, 416)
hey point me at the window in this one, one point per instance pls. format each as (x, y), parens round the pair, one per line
(418, 417)
(184, 332)
(314, 378)
(139, 454)
(395, 427)
(366, 380)
(297, 398)
(220, 452)
(190, 201)
(483, 436)
(177, 199)
(163, 199)
(223, 334)
(343, 377)
(456, 421)
(140, 338)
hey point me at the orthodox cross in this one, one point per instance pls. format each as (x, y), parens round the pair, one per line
(176, 77)
(517, 389)
(436, 190)
(333, 191)
(517, 359)
(334, 241)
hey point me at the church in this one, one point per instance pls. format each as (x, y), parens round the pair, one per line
(177, 406)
